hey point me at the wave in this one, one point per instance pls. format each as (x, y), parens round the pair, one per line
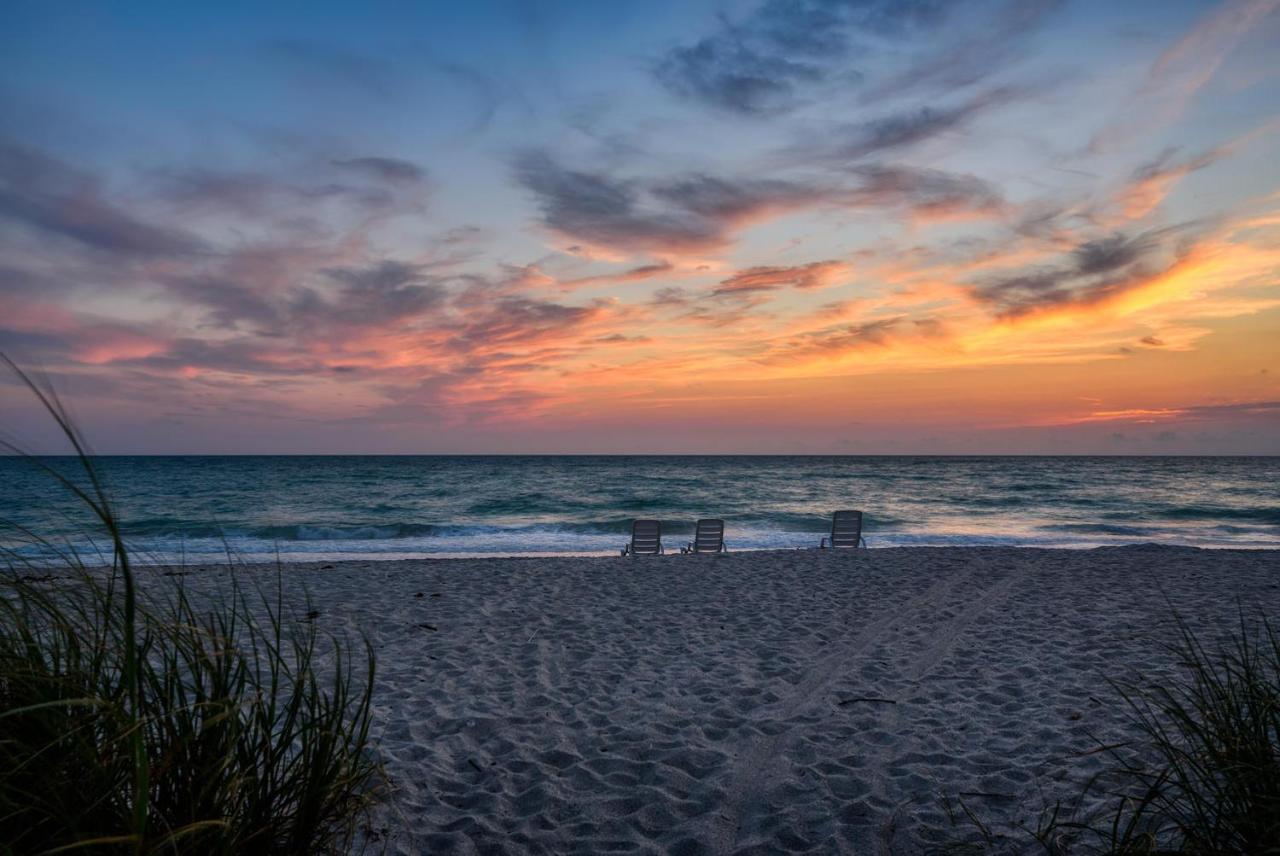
(1099, 529)
(170, 529)
(1258, 514)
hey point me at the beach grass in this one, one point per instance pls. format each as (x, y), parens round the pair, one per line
(1202, 776)
(143, 723)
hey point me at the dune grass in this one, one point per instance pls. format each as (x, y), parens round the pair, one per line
(1202, 778)
(153, 724)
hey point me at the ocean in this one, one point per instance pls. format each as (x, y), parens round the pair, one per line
(376, 507)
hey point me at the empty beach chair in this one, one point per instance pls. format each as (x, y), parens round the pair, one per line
(846, 530)
(646, 539)
(708, 537)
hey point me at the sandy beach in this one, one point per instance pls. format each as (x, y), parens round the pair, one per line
(761, 702)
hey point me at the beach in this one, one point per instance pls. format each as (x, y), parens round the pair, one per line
(754, 702)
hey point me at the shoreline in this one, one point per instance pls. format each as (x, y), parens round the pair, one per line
(753, 701)
(144, 563)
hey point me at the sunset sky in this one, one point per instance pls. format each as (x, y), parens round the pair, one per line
(782, 227)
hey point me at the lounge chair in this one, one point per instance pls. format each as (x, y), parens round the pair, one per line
(846, 530)
(646, 539)
(708, 537)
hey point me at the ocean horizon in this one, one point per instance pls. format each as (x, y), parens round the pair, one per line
(199, 508)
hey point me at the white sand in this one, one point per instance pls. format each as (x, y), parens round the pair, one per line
(798, 701)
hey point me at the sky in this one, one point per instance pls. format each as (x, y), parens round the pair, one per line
(790, 226)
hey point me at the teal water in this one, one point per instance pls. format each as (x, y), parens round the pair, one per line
(399, 507)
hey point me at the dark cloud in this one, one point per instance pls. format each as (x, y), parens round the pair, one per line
(1152, 181)
(1108, 254)
(724, 201)
(378, 294)
(670, 296)
(757, 66)
(927, 191)
(241, 355)
(390, 170)
(1268, 409)
(1099, 269)
(853, 141)
(699, 212)
(227, 302)
(634, 274)
(646, 271)
(49, 196)
(620, 338)
(837, 340)
(513, 321)
(384, 293)
(1020, 294)
(605, 211)
(692, 213)
(766, 278)
(1168, 165)
(19, 280)
(260, 195)
(930, 328)
(728, 74)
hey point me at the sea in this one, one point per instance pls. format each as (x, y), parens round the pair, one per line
(263, 508)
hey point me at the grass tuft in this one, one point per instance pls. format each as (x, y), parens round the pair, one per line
(156, 724)
(1202, 777)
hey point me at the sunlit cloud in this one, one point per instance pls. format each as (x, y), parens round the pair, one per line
(797, 206)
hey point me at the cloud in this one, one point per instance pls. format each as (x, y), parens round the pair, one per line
(620, 338)
(699, 213)
(984, 45)
(1152, 182)
(836, 341)
(637, 273)
(671, 296)
(1268, 410)
(853, 141)
(1098, 269)
(1184, 69)
(388, 185)
(766, 278)
(377, 294)
(227, 302)
(1107, 254)
(512, 321)
(54, 198)
(759, 65)
(390, 170)
(694, 213)
(734, 76)
(607, 212)
(731, 201)
(929, 193)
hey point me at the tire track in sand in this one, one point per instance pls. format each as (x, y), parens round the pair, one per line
(761, 765)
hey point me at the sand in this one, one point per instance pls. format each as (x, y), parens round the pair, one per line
(797, 701)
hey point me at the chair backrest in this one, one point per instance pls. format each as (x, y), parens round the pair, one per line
(846, 528)
(646, 536)
(709, 536)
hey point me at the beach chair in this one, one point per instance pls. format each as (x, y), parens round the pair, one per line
(646, 539)
(708, 537)
(846, 530)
